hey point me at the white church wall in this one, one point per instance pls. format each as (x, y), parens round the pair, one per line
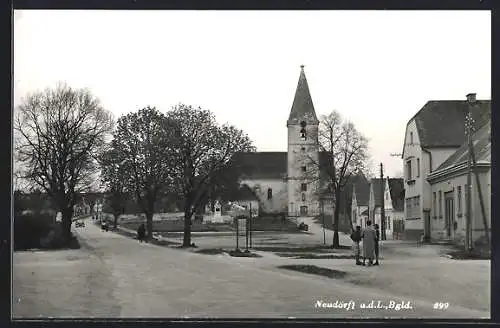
(278, 201)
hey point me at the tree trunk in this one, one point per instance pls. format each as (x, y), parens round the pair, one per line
(187, 227)
(149, 225)
(115, 222)
(67, 216)
(336, 214)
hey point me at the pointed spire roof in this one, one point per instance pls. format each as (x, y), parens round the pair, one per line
(302, 107)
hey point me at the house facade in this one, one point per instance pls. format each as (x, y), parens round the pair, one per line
(449, 192)
(393, 194)
(394, 207)
(359, 203)
(427, 144)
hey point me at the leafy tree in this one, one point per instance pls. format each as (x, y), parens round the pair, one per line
(204, 151)
(58, 133)
(144, 152)
(112, 175)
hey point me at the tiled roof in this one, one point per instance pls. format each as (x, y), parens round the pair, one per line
(261, 165)
(362, 189)
(302, 107)
(376, 185)
(482, 148)
(397, 191)
(270, 165)
(441, 123)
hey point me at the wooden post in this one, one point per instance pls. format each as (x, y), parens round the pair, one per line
(251, 224)
(237, 233)
(323, 217)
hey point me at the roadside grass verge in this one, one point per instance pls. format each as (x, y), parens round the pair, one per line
(312, 269)
(303, 249)
(234, 253)
(316, 256)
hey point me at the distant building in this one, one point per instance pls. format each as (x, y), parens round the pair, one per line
(359, 203)
(449, 188)
(433, 135)
(393, 194)
(394, 205)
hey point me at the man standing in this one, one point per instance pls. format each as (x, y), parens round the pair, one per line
(368, 236)
(377, 238)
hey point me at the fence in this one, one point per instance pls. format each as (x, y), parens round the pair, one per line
(398, 229)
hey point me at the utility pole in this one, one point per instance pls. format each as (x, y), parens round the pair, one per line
(250, 226)
(323, 217)
(468, 222)
(472, 158)
(382, 202)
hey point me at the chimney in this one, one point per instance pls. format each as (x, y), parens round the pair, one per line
(471, 98)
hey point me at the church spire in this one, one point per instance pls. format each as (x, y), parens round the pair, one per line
(302, 107)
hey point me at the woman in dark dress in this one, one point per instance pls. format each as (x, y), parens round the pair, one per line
(141, 233)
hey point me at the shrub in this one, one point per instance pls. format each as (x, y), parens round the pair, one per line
(28, 229)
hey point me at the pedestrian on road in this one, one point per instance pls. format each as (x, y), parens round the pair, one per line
(368, 236)
(377, 238)
(356, 238)
(141, 232)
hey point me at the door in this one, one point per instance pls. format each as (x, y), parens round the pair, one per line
(303, 211)
(449, 213)
(427, 225)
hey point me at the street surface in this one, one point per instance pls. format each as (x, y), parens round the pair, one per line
(115, 276)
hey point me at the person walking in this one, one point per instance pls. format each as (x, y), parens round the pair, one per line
(377, 238)
(368, 237)
(356, 238)
(141, 232)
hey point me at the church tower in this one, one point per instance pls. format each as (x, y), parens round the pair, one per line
(303, 153)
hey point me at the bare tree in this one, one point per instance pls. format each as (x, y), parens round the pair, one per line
(59, 132)
(347, 152)
(144, 149)
(205, 150)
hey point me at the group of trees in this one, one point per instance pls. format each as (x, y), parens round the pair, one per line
(64, 137)
(61, 140)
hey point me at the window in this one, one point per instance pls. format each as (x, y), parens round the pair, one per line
(303, 130)
(408, 170)
(411, 138)
(269, 193)
(459, 200)
(303, 197)
(304, 169)
(434, 204)
(303, 187)
(418, 167)
(303, 149)
(440, 200)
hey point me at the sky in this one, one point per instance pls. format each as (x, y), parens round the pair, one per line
(376, 68)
